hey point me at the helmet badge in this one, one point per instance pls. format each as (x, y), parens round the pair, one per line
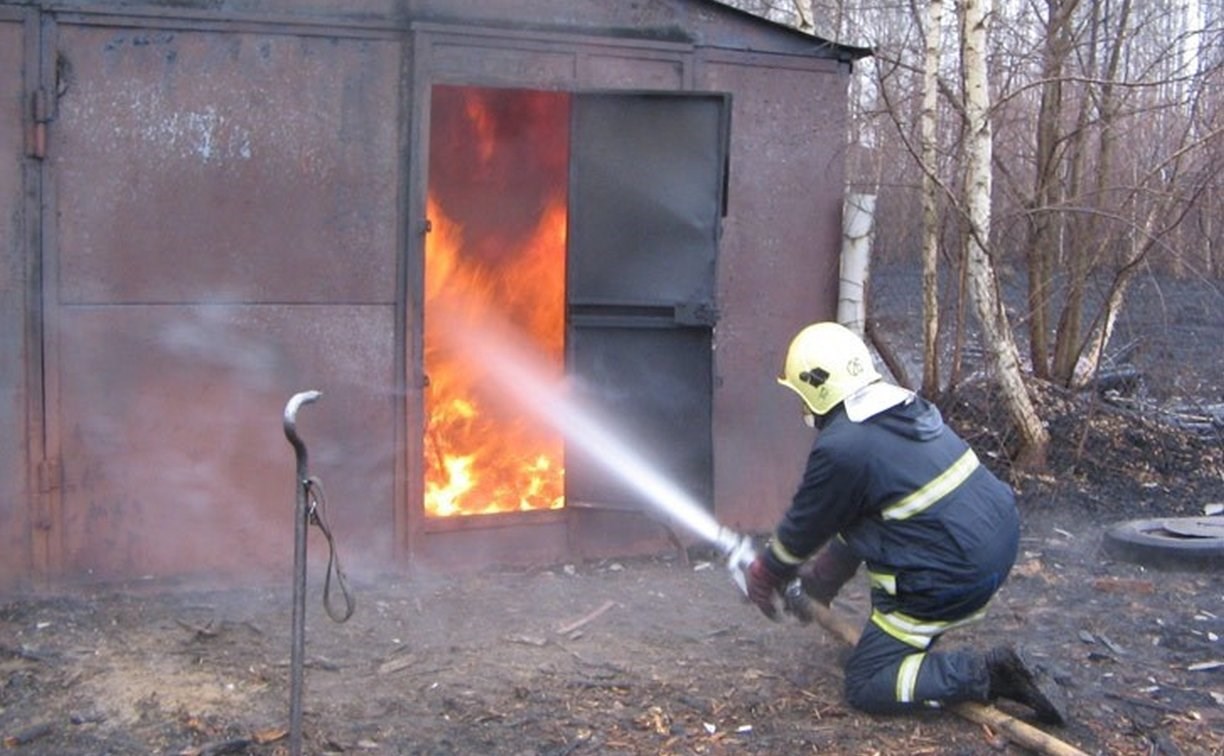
(816, 376)
(854, 367)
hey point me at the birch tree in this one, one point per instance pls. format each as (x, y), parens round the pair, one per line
(1001, 348)
(930, 200)
(1105, 165)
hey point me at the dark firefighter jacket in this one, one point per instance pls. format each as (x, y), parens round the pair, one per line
(937, 530)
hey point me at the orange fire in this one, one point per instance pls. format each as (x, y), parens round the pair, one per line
(483, 454)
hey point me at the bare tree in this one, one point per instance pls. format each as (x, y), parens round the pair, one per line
(1084, 234)
(1001, 348)
(803, 15)
(1105, 165)
(1044, 232)
(930, 200)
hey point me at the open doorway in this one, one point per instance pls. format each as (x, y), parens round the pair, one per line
(583, 226)
(495, 257)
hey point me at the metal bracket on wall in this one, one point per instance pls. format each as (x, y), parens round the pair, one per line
(696, 314)
(43, 112)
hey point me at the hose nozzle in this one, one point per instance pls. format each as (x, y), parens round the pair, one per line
(739, 552)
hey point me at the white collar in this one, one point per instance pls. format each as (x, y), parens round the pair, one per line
(874, 398)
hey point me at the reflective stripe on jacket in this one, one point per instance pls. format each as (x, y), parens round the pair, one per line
(910, 498)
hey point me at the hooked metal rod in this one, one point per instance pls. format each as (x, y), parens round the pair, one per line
(298, 640)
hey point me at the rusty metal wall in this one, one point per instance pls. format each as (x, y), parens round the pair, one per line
(213, 167)
(232, 214)
(778, 268)
(226, 235)
(174, 460)
(15, 553)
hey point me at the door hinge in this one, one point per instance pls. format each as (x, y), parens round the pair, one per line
(42, 112)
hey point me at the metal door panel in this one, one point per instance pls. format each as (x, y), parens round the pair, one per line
(646, 187)
(174, 458)
(646, 194)
(225, 236)
(206, 167)
(652, 390)
(14, 495)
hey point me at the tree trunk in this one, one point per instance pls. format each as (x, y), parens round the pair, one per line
(803, 16)
(1145, 230)
(1000, 347)
(930, 203)
(858, 218)
(1089, 243)
(1045, 224)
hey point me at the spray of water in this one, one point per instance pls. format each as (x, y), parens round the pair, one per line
(512, 366)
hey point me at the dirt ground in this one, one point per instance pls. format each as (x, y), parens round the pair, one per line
(648, 656)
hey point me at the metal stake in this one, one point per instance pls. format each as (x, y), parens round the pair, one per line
(299, 570)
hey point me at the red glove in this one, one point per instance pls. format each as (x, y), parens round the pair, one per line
(763, 585)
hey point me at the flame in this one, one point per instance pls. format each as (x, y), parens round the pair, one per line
(483, 454)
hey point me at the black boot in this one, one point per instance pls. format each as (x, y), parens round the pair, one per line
(1011, 677)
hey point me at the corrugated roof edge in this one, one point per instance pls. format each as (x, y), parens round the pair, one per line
(840, 51)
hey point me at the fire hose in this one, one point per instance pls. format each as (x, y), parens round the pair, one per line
(739, 552)
(310, 510)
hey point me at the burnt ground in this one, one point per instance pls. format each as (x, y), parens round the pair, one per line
(652, 655)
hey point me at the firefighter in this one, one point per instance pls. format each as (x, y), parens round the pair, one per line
(889, 485)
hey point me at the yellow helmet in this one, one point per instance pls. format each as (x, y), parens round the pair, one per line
(826, 363)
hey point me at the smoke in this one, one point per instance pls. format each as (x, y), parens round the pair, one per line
(208, 339)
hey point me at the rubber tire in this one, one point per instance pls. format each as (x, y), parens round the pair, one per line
(1148, 542)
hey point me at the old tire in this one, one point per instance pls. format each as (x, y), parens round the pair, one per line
(1176, 542)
